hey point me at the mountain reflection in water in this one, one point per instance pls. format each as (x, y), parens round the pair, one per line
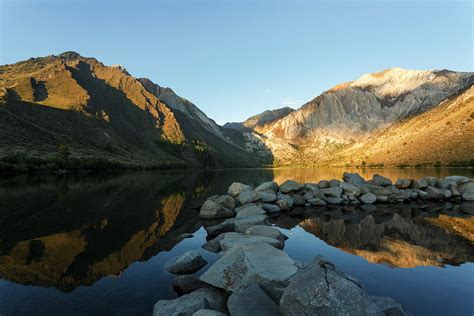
(403, 235)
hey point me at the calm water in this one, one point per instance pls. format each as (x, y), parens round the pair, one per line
(99, 244)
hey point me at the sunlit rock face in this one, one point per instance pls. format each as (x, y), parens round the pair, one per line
(399, 240)
(342, 125)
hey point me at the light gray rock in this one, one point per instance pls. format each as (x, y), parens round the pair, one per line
(322, 289)
(420, 183)
(353, 178)
(226, 201)
(350, 189)
(401, 196)
(211, 209)
(319, 195)
(447, 193)
(267, 196)
(403, 183)
(332, 192)
(272, 185)
(382, 181)
(443, 184)
(184, 284)
(242, 224)
(189, 262)
(251, 301)
(232, 239)
(334, 183)
(225, 226)
(236, 188)
(317, 202)
(251, 211)
(244, 265)
(271, 208)
(323, 184)
(245, 207)
(266, 231)
(456, 179)
(208, 312)
(467, 191)
(248, 196)
(290, 186)
(368, 198)
(188, 304)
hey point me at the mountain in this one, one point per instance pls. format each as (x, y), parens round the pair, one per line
(99, 112)
(393, 117)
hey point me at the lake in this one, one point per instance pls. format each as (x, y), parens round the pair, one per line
(99, 244)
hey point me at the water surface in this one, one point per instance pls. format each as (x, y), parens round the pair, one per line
(99, 244)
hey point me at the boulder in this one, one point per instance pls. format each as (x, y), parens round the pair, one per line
(213, 245)
(456, 179)
(378, 190)
(286, 198)
(308, 195)
(188, 304)
(242, 224)
(208, 312)
(267, 196)
(251, 211)
(184, 284)
(189, 262)
(381, 181)
(266, 231)
(467, 208)
(211, 209)
(421, 194)
(310, 186)
(332, 192)
(350, 189)
(248, 196)
(443, 184)
(251, 301)
(334, 183)
(420, 184)
(290, 186)
(467, 191)
(323, 184)
(245, 207)
(272, 185)
(403, 183)
(244, 265)
(271, 208)
(224, 227)
(368, 198)
(236, 188)
(434, 193)
(226, 201)
(298, 199)
(322, 289)
(353, 178)
(317, 202)
(431, 181)
(232, 239)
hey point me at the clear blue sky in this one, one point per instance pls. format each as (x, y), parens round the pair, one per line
(237, 58)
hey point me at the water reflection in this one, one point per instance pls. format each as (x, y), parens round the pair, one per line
(98, 244)
(404, 236)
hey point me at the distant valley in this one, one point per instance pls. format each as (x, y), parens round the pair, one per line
(68, 110)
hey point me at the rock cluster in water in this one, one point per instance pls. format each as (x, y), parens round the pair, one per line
(253, 276)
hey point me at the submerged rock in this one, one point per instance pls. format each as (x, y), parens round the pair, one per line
(189, 262)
